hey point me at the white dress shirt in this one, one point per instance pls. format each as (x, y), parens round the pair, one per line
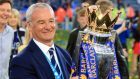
(6, 41)
(45, 49)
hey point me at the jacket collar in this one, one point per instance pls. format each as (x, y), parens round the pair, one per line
(40, 58)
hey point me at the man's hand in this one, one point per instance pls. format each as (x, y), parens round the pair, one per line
(76, 77)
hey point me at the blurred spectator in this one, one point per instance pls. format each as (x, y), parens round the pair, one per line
(27, 39)
(68, 18)
(120, 4)
(69, 12)
(136, 47)
(122, 30)
(60, 17)
(138, 1)
(6, 38)
(82, 20)
(123, 35)
(130, 12)
(75, 3)
(14, 22)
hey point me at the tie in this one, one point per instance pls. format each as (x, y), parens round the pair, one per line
(55, 65)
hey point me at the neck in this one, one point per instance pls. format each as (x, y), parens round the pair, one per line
(2, 28)
(82, 26)
(14, 28)
(49, 43)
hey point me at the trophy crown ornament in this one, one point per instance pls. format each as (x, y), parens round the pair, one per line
(100, 23)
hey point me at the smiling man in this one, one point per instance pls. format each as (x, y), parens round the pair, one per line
(41, 59)
(6, 38)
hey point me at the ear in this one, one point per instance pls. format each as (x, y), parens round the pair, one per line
(77, 18)
(28, 25)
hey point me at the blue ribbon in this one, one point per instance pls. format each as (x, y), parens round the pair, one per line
(88, 66)
(83, 65)
(114, 73)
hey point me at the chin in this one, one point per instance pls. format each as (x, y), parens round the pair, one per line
(48, 40)
(3, 23)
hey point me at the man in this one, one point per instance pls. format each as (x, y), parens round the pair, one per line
(82, 20)
(41, 59)
(6, 38)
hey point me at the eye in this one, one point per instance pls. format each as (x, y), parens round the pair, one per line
(2, 10)
(51, 21)
(41, 22)
(8, 10)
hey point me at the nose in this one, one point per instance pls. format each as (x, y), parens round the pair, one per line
(49, 25)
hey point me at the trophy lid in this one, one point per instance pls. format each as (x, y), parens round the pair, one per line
(100, 23)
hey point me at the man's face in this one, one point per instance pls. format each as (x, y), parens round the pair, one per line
(83, 20)
(42, 25)
(5, 12)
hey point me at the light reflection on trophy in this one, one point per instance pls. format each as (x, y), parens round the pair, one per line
(99, 34)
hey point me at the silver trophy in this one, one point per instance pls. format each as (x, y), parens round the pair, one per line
(98, 34)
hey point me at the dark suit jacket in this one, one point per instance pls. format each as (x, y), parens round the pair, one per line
(73, 40)
(32, 64)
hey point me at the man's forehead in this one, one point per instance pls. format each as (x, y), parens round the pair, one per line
(44, 9)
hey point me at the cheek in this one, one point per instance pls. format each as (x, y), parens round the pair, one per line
(13, 21)
(17, 20)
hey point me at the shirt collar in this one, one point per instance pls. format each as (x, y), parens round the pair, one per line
(44, 48)
(6, 29)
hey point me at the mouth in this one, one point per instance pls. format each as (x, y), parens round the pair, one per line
(3, 20)
(4, 17)
(46, 32)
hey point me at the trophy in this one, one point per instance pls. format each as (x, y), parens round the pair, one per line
(100, 37)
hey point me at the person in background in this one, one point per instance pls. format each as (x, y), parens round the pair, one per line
(6, 38)
(60, 14)
(14, 22)
(41, 59)
(69, 17)
(135, 66)
(122, 29)
(82, 20)
(28, 37)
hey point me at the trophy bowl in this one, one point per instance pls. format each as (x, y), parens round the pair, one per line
(104, 57)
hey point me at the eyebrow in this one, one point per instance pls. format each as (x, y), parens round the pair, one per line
(51, 19)
(39, 20)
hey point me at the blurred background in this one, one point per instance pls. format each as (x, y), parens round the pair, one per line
(65, 11)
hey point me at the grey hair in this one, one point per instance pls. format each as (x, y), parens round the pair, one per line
(37, 5)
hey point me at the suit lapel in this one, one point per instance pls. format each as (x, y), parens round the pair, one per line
(62, 63)
(40, 58)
